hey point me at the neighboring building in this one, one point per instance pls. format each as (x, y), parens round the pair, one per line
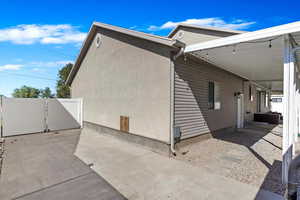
(277, 103)
(143, 84)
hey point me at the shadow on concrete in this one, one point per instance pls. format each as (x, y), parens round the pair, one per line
(42, 166)
(249, 136)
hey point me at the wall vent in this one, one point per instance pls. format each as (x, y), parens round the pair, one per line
(124, 123)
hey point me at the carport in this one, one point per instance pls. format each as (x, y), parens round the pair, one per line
(270, 58)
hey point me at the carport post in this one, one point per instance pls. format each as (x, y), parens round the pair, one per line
(289, 119)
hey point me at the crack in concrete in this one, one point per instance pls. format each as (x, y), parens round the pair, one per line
(51, 186)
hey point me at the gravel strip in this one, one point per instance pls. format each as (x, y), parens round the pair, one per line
(252, 157)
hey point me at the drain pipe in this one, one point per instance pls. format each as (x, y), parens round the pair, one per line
(172, 139)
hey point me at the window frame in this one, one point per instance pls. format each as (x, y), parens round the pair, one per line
(250, 93)
(214, 98)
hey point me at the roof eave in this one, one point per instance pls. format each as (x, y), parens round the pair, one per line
(171, 34)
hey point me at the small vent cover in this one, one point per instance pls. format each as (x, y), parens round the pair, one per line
(98, 40)
(180, 35)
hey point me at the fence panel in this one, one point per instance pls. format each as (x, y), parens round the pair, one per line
(22, 116)
(30, 115)
(64, 114)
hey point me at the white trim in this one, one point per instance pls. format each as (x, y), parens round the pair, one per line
(244, 37)
(172, 106)
(240, 111)
(289, 117)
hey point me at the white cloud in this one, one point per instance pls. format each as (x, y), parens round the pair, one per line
(10, 67)
(51, 63)
(36, 69)
(44, 34)
(212, 21)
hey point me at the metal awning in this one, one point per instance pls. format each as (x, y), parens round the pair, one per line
(256, 56)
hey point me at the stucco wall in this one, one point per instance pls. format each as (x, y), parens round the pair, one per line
(130, 77)
(192, 36)
(191, 97)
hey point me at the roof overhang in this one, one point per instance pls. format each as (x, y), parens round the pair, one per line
(256, 56)
(206, 28)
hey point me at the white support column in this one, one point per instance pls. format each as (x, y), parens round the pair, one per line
(297, 103)
(293, 107)
(288, 113)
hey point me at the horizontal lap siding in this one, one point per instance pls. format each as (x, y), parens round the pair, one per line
(190, 92)
(191, 112)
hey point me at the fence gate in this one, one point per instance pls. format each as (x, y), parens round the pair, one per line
(30, 115)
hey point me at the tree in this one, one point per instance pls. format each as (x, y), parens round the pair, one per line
(62, 90)
(26, 92)
(46, 93)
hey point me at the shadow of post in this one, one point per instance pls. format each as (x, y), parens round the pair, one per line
(273, 180)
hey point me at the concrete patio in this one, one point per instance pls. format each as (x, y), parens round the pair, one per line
(252, 155)
(141, 174)
(42, 166)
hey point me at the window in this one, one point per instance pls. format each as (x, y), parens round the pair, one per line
(277, 100)
(214, 102)
(250, 93)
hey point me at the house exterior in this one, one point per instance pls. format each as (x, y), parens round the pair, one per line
(145, 86)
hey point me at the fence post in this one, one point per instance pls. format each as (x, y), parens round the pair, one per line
(46, 116)
(1, 117)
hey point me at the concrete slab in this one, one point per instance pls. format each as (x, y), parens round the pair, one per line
(87, 187)
(40, 163)
(141, 174)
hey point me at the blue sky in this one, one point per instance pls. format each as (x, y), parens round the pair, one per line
(38, 37)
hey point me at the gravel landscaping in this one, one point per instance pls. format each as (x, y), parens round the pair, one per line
(251, 156)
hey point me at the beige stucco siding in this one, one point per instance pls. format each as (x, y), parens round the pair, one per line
(130, 77)
(191, 97)
(192, 36)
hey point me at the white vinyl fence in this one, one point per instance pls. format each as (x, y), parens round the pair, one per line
(28, 115)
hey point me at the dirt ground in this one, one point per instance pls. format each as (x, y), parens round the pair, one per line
(251, 155)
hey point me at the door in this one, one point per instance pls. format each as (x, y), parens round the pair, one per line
(240, 111)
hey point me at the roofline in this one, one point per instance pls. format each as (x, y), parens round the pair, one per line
(275, 31)
(173, 44)
(208, 28)
(154, 38)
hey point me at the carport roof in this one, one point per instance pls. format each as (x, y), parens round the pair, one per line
(255, 56)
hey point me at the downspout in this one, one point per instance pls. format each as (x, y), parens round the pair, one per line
(172, 79)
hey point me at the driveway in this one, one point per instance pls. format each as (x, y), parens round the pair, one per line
(42, 166)
(141, 174)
